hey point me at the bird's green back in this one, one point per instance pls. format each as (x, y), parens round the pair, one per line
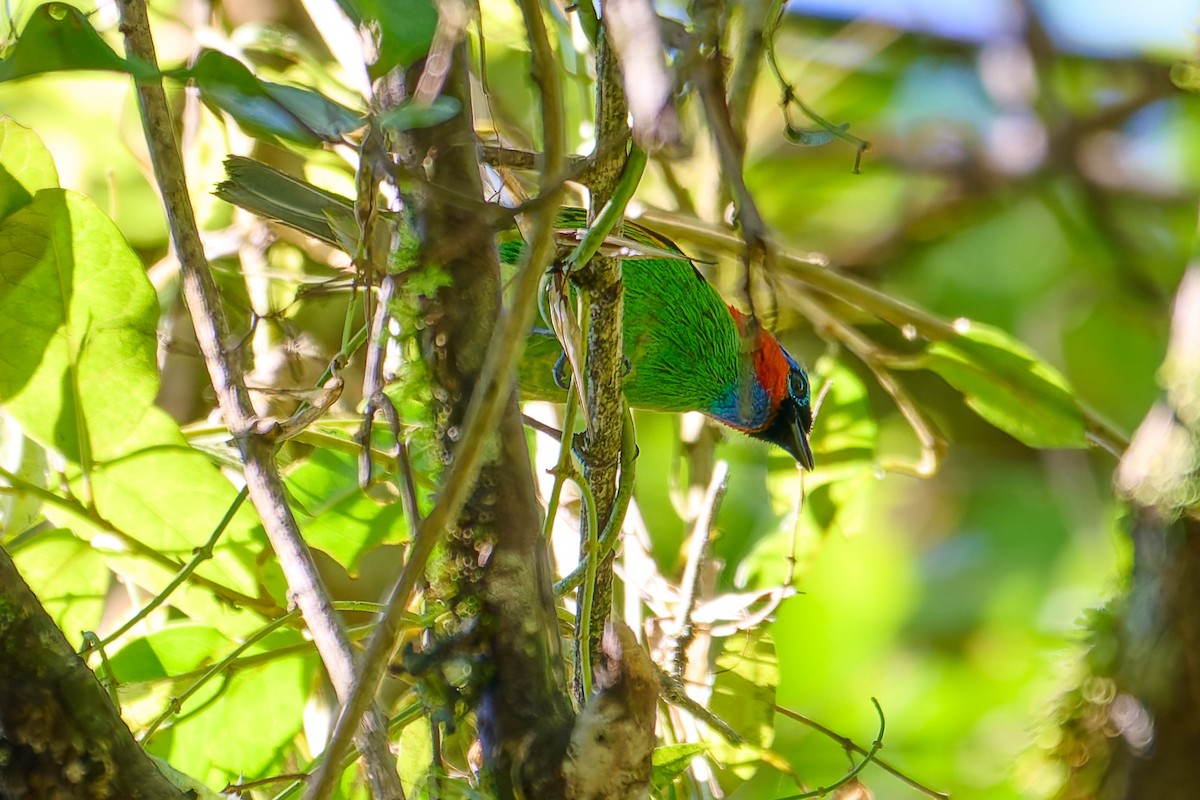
(681, 342)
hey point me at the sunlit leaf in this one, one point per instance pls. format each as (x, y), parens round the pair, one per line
(171, 650)
(410, 114)
(78, 328)
(743, 695)
(342, 520)
(170, 498)
(672, 760)
(1009, 386)
(69, 578)
(59, 37)
(25, 166)
(246, 733)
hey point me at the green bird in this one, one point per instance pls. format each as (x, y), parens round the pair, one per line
(686, 349)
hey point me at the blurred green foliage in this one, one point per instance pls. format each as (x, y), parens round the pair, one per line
(1049, 195)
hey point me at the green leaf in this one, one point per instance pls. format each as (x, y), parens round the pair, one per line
(1009, 386)
(69, 578)
(173, 650)
(248, 730)
(78, 343)
(672, 761)
(404, 29)
(409, 114)
(269, 110)
(343, 521)
(25, 166)
(743, 695)
(78, 328)
(845, 432)
(171, 499)
(59, 37)
(416, 756)
(329, 120)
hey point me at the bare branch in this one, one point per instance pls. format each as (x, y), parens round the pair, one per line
(255, 441)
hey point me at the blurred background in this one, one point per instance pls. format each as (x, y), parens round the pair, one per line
(1033, 165)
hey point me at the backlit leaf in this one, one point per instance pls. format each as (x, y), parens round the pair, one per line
(25, 166)
(1009, 386)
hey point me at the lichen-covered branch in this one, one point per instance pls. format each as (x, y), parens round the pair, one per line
(60, 735)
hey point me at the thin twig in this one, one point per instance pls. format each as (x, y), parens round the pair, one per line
(612, 528)
(263, 482)
(933, 445)
(203, 553)
(685, 630)
(868, 758)
(373, 377)
(849, 745)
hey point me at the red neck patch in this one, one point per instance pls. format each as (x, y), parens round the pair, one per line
(771, 367)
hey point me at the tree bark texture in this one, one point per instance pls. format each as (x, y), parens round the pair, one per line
(605, 367)
(61, 737)
(1154, 712)
(497, 569)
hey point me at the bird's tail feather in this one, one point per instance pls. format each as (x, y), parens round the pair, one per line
(277, 196)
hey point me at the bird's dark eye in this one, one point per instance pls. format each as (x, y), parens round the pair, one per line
(798, 385)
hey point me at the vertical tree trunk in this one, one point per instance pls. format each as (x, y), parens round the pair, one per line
(1155, 710)
(498, 567)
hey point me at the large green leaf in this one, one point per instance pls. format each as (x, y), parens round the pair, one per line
(171, 650)
(134, 563)
(25, 166)
(69, 578)
(170, 498)
(341, 520)
(78, 324)
(249, 731)
(1009, 386)
(77, 371)
(59, 37)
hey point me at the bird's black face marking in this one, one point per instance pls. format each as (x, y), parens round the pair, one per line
(793, 421)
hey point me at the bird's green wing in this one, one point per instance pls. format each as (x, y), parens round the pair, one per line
(535, 373)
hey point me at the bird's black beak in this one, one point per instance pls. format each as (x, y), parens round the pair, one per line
(800, 449)
(790, 430)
